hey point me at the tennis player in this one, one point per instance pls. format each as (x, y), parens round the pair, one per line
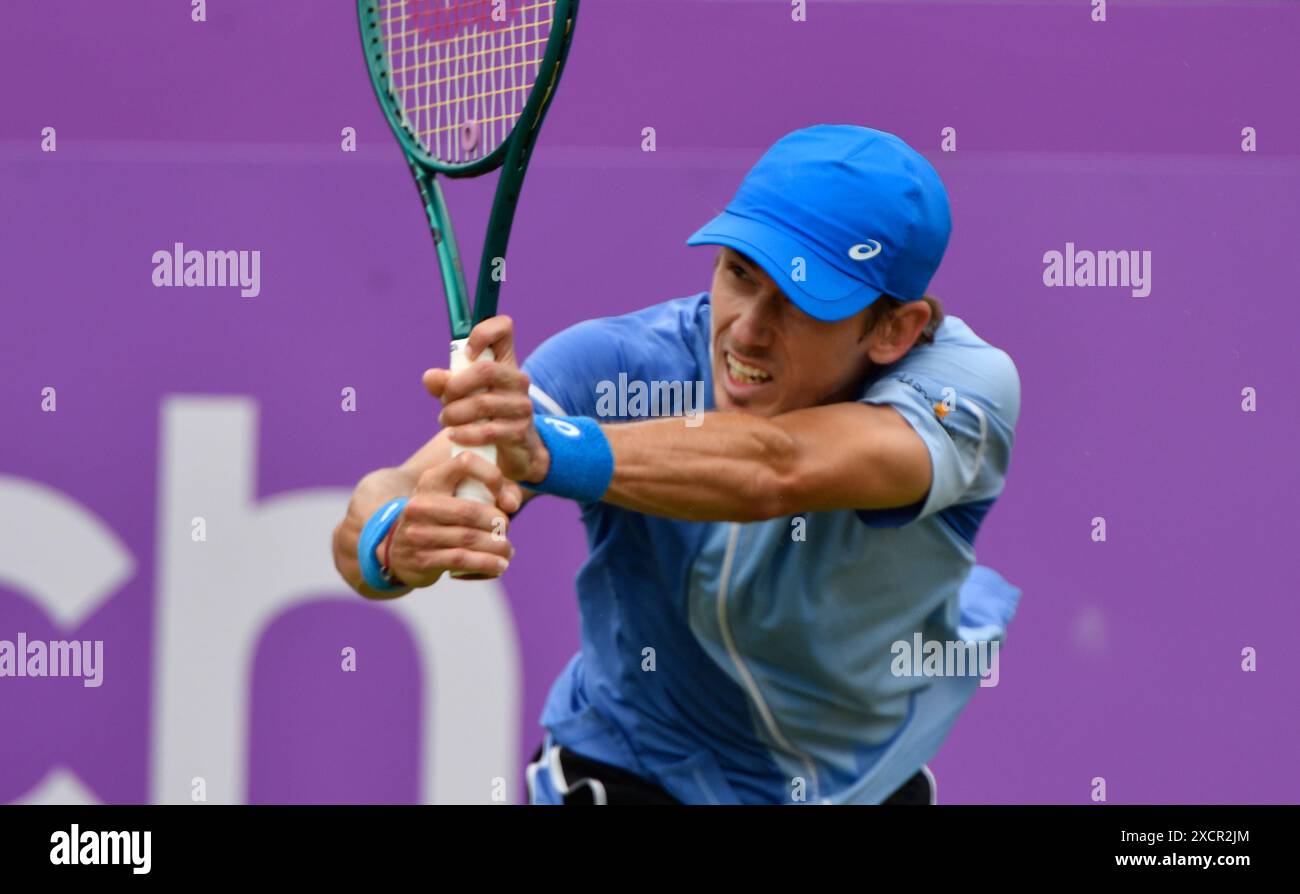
(754, 570)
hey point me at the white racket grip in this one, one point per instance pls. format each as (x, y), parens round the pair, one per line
(472, 488)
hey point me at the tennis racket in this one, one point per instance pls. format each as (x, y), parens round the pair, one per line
(465, 85)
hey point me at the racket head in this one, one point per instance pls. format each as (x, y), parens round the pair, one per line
(456, 81)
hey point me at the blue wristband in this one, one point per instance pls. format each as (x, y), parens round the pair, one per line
(582, 464)
(376, 576)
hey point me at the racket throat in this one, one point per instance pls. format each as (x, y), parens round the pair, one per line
(449, 263)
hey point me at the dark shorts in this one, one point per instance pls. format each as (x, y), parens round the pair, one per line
(594, 782)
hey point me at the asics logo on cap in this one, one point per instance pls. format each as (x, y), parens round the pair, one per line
(865, 251)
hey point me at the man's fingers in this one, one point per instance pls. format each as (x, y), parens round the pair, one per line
(448, 511)
(497, 333)
(424, 540)
(435, 381)
(512, 497)
(474, 562)
(442, 479)
(486, 405)
(480, 376)
(480, 434)
(422, 564)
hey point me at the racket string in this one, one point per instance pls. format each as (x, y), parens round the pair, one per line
(459, 75)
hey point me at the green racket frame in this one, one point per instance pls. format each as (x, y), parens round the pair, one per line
(511, 156)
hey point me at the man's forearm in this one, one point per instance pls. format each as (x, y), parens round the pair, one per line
(734, 467)
(743, 467)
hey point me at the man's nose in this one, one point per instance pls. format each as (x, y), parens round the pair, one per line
(754, 325)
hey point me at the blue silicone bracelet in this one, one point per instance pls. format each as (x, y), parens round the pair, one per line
(373, 534)
(582, 463)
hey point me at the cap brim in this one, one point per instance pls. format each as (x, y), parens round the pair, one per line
(825, 293)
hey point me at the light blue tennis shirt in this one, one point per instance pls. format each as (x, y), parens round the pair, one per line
(756, 662)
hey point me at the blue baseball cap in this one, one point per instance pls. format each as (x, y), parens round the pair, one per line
(866, 213)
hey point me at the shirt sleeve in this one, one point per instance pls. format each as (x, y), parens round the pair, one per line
(566, 369)
(966, 419)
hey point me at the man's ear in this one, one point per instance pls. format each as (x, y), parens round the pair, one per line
(895, 333)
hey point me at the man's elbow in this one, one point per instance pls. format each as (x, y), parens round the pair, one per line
(774, 488)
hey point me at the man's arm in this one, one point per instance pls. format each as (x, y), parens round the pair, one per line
(436, 532)
(741, 467)
(733, 467)
(373, 491)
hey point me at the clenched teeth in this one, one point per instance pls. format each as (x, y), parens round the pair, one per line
(744, 373)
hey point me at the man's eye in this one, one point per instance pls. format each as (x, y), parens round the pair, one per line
(739, 271)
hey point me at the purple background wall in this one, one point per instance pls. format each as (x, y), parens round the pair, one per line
(1125, 659)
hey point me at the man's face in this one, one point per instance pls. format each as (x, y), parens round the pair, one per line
(769, 357)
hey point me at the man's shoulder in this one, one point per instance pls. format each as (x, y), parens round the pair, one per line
(660, 331)
(674, 317)
(956, 333)
(962, 359)
(665, 341)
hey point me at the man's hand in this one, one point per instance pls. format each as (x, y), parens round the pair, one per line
(488, 403)
(437, 532)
